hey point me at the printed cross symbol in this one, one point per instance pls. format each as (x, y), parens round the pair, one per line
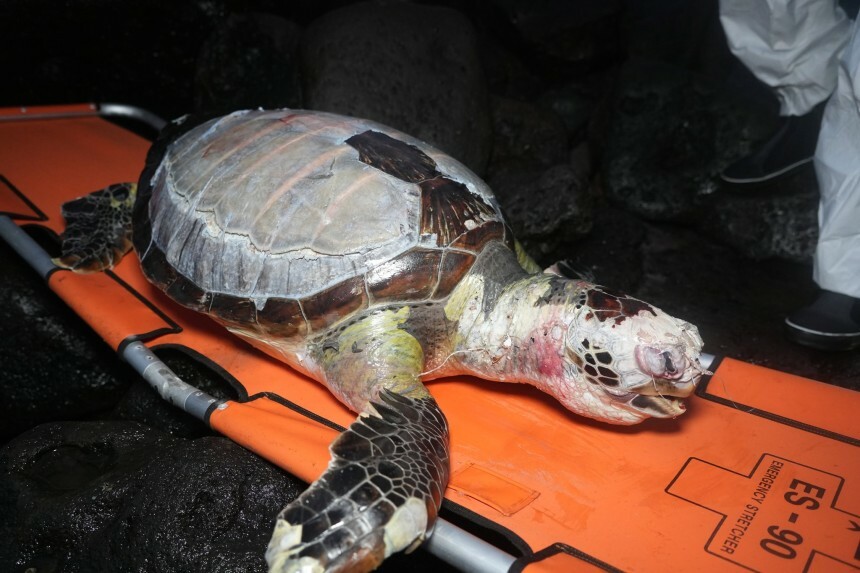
(782, 516)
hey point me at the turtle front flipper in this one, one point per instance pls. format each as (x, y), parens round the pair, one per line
(98, 229)
(384, 485)
(380, 494)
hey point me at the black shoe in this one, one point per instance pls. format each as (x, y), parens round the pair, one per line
(792, 146)
(832, 322)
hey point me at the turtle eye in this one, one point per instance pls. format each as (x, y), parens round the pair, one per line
(668, 364)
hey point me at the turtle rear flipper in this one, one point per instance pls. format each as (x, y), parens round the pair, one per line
(380, 494)
(98, 229)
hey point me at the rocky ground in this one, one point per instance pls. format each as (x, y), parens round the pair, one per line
(601, 127)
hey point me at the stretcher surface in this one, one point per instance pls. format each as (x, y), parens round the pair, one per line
(762, 473)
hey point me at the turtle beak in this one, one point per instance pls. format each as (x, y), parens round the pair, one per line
(658, 406)
(646, 405)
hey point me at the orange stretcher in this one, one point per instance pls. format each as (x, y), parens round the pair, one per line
(762, 473)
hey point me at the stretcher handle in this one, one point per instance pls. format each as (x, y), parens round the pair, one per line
(85, 110)
(26, 247)
(132, 112)
(169, 386)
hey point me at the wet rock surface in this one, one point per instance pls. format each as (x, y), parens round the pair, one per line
(603, 160)
(54, 366)
(115, 495)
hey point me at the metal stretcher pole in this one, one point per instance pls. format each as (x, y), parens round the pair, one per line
(465, 551)
(132, 112)
(168, 385)
(448, 542)
(26, 247)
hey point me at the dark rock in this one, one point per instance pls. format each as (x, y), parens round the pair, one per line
(525, 136)
(670, 135)
(574, 103)
(120, 496)
(104, 51)
(54, 366)
(546, 209)
(777, 221)
(413, 67)
(250, 60)
(507, 73)
(674, 31)
(689, 35)
(546, 196)
(567, 37)
(611, 254)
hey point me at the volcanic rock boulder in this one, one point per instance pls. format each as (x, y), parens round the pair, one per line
(672, 133)
(415, 68)
(250, 60)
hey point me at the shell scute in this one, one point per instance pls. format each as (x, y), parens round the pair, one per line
(411, 276)
(449, 209)
(455, 265)
(154, 264)
(282, 317)
(233, 309)
(189, 294)
(475, 239)
(332, 304)
(393, 156)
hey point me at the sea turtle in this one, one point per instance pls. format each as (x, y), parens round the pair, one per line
(371, 261)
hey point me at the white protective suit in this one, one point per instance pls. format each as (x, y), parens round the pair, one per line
(807, 50)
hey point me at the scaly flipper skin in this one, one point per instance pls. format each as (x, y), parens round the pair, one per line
(384, 485)
(98, 229)
(380, 494)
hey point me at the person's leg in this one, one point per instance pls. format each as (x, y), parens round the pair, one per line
(792, 46)
(833, 321)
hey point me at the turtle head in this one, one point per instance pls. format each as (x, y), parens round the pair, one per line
(627, 359)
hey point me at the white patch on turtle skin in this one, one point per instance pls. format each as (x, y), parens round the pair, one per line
(407, 526)
(286, 540)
